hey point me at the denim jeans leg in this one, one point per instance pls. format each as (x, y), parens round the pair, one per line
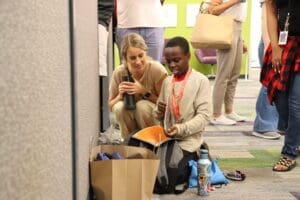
(288, 104)
(154, 38)
(266, 115)
(120, 34)
(261, 47)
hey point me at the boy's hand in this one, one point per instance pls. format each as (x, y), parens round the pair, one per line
(172, 131)
(161, 107)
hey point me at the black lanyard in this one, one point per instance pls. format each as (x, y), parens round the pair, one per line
(287, 18)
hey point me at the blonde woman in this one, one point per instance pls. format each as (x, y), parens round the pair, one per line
(147, 76)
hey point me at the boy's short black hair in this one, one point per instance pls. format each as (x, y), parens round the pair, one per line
(180, 42)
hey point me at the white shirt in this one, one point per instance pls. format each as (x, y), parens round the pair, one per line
(139, 13)
(237, 11)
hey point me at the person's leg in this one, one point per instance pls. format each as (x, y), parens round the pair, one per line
(225, 63)
(154, 38)
(258, 125)
(144, 114)
(281, 103)
(261, 48)
(292, 137)
(281, 126)
(125, 119)
(235, 70)
(225, 60)
(266, 119)
(288, 105)
(120, 34)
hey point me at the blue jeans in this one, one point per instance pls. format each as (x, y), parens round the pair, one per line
(288, 106)
(154, 38)
(266, 115)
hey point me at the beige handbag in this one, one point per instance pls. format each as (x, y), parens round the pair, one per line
(211, 31)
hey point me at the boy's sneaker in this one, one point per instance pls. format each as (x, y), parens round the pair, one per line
(222, 120)
(235, 117)
(271, 135)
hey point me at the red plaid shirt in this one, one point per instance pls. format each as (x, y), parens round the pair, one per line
(290, 63)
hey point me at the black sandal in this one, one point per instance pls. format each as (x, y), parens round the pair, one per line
(287, 163)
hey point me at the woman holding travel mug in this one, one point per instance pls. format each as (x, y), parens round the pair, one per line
(145, 77)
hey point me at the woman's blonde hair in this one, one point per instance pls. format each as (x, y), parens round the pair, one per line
(132, 40)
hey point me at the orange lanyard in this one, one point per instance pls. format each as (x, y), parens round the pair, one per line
(175, 99)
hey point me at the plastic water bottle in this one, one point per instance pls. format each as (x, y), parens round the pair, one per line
(129, 99)
(203, 169)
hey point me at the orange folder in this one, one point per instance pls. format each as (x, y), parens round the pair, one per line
(154, 135)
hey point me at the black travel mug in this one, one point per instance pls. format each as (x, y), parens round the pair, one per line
(129, 99)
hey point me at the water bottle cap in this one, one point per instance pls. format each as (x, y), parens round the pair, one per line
(204, 151)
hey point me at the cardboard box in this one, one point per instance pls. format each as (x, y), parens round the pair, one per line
(132, 178)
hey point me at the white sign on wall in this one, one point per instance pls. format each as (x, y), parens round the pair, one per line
(192, 11)
(170, 13)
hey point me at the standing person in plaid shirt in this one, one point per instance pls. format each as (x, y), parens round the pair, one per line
(280, 74)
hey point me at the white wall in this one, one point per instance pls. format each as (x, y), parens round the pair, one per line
(255, 33)
(87, 87)
(35, 98)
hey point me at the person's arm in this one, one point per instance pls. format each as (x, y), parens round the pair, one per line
(202, 113)
(138, 88)
(158, 75)
(113, 100)
(160, 108)
(264, 28)
(272, 25)
(134, 88)
(116, 91)
(157, 86)
(217, 7)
